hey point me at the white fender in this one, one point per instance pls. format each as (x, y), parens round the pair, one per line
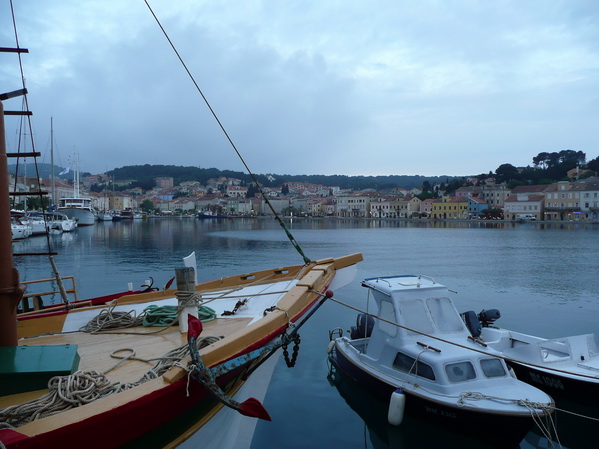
(396, 407)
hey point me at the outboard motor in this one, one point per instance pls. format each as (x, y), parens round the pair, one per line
(472, 323)
(488, 317)
(363, 327)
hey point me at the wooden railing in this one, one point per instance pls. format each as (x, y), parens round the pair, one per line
(35, 300)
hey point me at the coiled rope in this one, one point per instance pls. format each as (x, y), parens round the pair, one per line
(162, 316)
(83, 387)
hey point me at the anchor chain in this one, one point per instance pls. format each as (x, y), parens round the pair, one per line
(296, 340)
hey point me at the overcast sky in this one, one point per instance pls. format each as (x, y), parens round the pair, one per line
(309, 87)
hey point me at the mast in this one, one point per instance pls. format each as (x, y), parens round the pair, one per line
(10, 290)
(52, 183)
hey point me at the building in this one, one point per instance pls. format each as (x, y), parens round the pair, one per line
(589, 200)
(448, 208)
(524, 204)
(353, 206)
(562, 203)
(476, 206)
(164, 183)
(494, 194)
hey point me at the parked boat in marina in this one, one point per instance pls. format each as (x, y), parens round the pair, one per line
(208, 214)
(104, 216)
(415, 352)
(19, 230)
(77, 207)
(566, 367)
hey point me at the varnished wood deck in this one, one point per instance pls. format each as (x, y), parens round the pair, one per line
(147, 342)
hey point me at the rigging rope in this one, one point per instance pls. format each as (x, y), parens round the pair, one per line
(277, 217)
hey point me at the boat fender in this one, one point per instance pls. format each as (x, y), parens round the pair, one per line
(331, 346)
(396, 407)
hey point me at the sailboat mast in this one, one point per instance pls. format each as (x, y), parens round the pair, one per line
(52, 182)
(10, 290)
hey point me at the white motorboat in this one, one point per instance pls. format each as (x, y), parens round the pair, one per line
(19, 230)
(414, 351)
(104, 216)
(566, 368)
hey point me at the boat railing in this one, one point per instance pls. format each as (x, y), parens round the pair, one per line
(35, 300)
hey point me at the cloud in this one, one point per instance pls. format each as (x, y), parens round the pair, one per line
(383, 87)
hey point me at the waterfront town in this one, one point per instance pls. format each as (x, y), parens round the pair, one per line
(574, 200)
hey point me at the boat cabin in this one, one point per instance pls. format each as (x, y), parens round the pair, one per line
(422, 309)
(78, 203)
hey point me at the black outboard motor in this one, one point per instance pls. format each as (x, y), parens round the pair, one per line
(363, 327)
(488, 317)
(472, 323)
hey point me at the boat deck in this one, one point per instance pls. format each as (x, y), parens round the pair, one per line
(139, 342)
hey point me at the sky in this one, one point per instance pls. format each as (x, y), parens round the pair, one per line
(378, 87)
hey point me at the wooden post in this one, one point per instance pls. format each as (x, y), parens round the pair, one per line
(186, 287)
(10, 290)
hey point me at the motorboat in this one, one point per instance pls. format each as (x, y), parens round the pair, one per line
(566, 367)
(413, 350)
(104, 216)
(209, 214)
(19, 229)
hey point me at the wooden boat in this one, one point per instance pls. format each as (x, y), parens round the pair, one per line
(275, 304)
(566, 368)
(419, 357)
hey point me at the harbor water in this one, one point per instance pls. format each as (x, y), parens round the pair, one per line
(542, 277)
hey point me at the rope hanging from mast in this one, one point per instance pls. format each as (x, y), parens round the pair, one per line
(277, 217)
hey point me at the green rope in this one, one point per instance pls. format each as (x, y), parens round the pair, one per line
(166, 315)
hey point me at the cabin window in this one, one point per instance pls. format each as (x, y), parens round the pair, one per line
(444, 315)
(408, 364)
(492, 368)
(415, 317)
(388, 313)
(460, 372)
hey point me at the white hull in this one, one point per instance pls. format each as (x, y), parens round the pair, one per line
(20, 231)
(83, 217)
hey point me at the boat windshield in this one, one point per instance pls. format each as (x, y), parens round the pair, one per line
(415, 316)
(444, 315)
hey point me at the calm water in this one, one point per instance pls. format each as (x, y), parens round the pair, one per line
(543, 278)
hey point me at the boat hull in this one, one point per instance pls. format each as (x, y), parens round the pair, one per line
(160, 414)
(583, 390)
(488, 426)
(84, 217)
